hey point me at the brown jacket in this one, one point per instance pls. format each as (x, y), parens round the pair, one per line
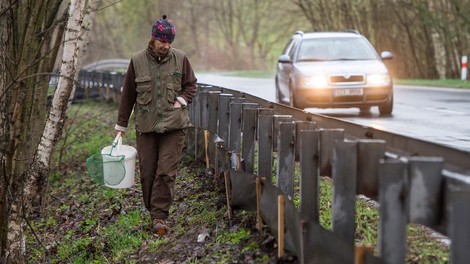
(152, 86)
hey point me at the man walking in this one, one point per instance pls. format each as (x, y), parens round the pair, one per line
(159, 85)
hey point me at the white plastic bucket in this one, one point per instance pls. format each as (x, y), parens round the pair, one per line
(130, 154)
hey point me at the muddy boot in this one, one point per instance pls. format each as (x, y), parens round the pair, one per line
(160, 227)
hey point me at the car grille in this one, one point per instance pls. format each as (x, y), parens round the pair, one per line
(347, 79)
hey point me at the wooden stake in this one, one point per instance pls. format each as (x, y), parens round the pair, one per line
(216, 162)
(206, 147)
(196, 143)
(258, 204)
(280, 225)
(239, 162)
(227, 194)
(360, 254)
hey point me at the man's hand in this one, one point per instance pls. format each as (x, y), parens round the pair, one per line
(177, 105)
(119, 134)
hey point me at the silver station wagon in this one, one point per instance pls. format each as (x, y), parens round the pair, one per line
(333, 70)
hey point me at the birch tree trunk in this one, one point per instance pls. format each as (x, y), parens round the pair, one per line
(36, 176)
(83, 41)
(54, 123)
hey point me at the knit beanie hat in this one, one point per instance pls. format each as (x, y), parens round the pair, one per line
(163, 30)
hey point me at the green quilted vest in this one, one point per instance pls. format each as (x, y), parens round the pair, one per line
(158, 85)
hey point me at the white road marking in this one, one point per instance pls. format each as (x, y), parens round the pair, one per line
(445, 111)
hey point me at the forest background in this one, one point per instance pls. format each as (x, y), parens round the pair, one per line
(427, 37)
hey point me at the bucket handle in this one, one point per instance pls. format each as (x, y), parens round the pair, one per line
(117, 140)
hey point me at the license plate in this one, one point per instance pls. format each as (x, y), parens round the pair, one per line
(348, 92)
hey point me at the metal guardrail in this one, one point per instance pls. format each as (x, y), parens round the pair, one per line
(413, 180)
(398, 145)
(107, 65)
(95, 85)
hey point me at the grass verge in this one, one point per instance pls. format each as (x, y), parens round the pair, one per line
(83, 222)
(435, 83)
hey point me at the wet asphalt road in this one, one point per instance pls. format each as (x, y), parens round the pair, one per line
(438, 115)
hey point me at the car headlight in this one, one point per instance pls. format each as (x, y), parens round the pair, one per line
(316, 81)
(378, 79)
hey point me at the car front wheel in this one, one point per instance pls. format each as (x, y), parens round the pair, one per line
(387, 108)
(364, 110)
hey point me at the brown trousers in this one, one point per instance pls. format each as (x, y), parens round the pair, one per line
(159, 155)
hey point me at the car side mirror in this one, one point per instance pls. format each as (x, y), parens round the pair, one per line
(284, 59)
(386, 55)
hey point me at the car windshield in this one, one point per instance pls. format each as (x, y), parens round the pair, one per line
(331, 49)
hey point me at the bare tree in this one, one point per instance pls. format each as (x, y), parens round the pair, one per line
(427, 36)
(28, 49)
(263, 25)
(121, 28)
(25, 158)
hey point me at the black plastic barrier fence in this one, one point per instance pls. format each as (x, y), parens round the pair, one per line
(271, 154)
(261, 148)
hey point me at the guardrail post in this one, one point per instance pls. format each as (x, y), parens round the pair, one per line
(224, 114)
(286, 158)
(213, 110)
(203, 118)
(301, 125)
(93, 85)
(235, 130)
(309, 174)
(344, 171)
(195, 117)
(111, 80)
(107, 85)
(459, 225)
(83, 82)
(425, 190)
(115, 86)
(80, 87)
(193, 110)
(118, 86)
(370, 153)
(392, 224)
(204, 98)
(278, 119)
(265, 144)
(248, 139)
(327, 139)
(192, 133)
(100, 84)
(89, 79)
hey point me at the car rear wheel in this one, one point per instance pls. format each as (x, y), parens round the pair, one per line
(292, 98)
(387, 108)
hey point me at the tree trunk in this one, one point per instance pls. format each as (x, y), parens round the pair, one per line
(54, 123)
(30, 183)
(4, 127)
(83, 41)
